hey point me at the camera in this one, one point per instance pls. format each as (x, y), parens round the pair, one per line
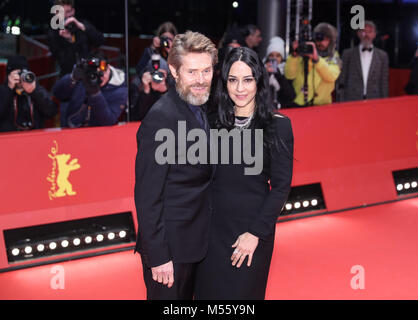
(71, 27)
(305, 36)
(274, 65)
(91, 69)
(27, 76)
(165, 42)
(157, 76)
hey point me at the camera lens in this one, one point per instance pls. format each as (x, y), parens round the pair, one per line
(27, 76)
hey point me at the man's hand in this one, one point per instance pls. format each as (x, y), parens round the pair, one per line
(164, 274)
(13, 79)
(146, 81)
(79, 25)
(244, 246)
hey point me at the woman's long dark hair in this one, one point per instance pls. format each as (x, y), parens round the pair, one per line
(264, 110)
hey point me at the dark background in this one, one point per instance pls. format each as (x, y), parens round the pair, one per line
(212, 17)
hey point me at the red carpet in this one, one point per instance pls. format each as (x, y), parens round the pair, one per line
(312, 260)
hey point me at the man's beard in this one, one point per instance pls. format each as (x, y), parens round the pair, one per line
(186, 94)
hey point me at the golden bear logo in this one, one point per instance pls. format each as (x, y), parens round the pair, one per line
(61, 169)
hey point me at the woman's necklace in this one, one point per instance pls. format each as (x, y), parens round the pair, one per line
(243, 124)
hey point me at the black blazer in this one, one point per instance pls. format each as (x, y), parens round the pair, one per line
(172, 200)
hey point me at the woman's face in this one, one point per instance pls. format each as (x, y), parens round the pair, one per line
(275, 55)
(242, 87)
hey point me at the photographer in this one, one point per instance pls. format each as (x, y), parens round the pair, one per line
(24, 104)
(282, 91)
(322, 63)
(145, 91)
(95, 91)
(161, 44)
(77, 40)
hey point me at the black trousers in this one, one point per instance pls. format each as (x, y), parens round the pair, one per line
(183, 286)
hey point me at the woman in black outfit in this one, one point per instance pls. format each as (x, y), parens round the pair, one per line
(245, 208)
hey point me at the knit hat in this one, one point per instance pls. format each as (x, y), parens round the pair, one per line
(276, 44)
(15, 63)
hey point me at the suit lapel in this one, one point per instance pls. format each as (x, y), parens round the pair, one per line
(357, 60)
(373, 65)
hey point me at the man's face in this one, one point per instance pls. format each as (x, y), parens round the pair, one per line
(323, 44)
(367, 35)
(69, 11)
(254, 39)
(194, 77)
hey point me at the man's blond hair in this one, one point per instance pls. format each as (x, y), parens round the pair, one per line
(191, 42)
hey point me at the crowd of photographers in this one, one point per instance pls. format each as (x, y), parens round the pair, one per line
(91, 92)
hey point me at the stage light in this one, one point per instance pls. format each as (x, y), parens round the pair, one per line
(304, 198)
(405, 181)
(74, 236)
(235, 4)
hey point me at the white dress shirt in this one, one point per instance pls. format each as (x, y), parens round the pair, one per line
(366, 60)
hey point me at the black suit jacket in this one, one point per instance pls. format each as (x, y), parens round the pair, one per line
(352, 75)
(172, 200)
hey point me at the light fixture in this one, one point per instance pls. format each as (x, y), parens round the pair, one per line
(405, 181)
(74, 236)
(304, 198)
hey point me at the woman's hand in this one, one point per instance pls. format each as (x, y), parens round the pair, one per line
(244, 246)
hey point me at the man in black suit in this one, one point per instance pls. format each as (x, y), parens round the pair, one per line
(172, 199)
(365, 73)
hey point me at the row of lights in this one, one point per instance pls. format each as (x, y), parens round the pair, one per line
(65, 243)
(298, 204)
(406, 186)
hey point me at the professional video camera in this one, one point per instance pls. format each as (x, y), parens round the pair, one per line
(91, 70)
(305, 36)
(157, 76)
(27, 76)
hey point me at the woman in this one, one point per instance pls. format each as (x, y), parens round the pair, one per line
(281, 88)
(245, 209)
(161, 45)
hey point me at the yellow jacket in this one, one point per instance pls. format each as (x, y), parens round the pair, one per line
(322, 75)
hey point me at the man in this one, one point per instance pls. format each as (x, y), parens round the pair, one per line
(252, 36)
(323, 68)
(24, 104)
(95, 91)
(365, 73)
(77, 40)
(172, 200)
(145, 91)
